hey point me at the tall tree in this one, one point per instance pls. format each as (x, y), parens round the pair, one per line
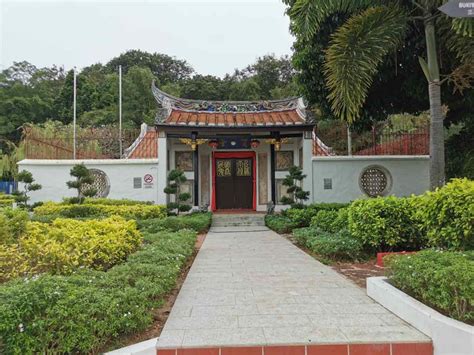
(374, 30)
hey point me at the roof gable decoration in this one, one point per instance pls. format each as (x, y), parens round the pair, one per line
(171, 104)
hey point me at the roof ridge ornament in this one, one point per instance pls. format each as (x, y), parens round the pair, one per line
(170, 102)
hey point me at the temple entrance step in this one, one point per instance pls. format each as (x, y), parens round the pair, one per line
(237, 220)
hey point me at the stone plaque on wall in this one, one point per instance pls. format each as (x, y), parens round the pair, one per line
(284, 160)
(262, 178)
(184, 161)
(205, 177)
(188, 187)
(281, 191)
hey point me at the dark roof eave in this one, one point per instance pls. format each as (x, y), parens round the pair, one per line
(268, 128)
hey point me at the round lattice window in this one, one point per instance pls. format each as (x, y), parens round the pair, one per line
(101, 183)
(375, 181)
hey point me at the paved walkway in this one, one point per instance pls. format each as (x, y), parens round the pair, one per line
(249, 286)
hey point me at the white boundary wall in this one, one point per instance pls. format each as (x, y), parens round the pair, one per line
(53, 174)
(450, 337)
(408, 175)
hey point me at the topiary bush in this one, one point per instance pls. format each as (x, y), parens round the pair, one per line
(446, 215)
(333, 246)
(385, 224)
(66, 245)
(82, 312)
(443, 280)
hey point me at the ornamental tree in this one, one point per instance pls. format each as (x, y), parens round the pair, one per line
(21, 197)
(83, 178)
(176, 179)
(293, 182)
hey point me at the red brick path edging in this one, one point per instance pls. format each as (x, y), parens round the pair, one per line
(329, 349)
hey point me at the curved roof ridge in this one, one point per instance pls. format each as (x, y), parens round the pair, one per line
(171, 102)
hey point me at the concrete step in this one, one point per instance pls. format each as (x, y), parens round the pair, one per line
(231, 220)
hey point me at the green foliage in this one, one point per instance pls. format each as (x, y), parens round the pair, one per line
(21, 197)
(301, 217)
(85, 210)
(280, 223)
(12, 224)
(176, 179)
(84, 179)
(65, 245)
(81, 312)
(446, 215)
(109, 201)
(331, 220)
(293, 183)
(440, 279)
(199, 222)
(6, 200)
(333, 246)
(385, 224)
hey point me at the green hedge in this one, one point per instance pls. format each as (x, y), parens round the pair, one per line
(443, 280)
(331, 220)
(280, 223)
(447, 215)
(82, 312)
(199, 222)
(385, 224)
(118, 202)
(336, 246)
(301, 217)
(12, 224)
(86, 210)
(6, 200)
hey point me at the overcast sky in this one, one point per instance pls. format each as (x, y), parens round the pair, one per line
(213, 36)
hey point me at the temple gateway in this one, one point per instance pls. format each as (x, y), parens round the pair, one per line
(235, 155)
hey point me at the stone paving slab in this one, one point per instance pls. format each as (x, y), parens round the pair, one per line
(254, 287)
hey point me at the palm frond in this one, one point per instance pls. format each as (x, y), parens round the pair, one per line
(308, 15)
(356, 50)
(463, 27)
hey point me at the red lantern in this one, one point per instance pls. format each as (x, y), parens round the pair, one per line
(254, 143)
(213, 144)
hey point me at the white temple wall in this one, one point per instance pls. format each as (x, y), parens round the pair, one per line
(407, 175)
(126, 178)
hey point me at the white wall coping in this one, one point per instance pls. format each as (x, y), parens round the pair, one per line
(449, 336)
(87, 161)
(370, 157)
(147, 347)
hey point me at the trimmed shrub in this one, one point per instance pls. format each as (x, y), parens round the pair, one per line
(443, 280)
(121, 202)
(6, 200)
(331, 220)
(65, 245)
(199, 222)
(96, 210)
(385, 223)
(302, 217)
(334, 246)
(81, 312)
(280, 223)
(12, 224)
(446, 215)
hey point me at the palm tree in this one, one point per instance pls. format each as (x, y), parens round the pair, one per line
(374, 29)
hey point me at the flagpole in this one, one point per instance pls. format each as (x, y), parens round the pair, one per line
(120, 110)
(74, 115)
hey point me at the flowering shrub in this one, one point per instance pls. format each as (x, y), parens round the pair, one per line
(136, 211)
(79, 313)
(443, 280)
(66, 245)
